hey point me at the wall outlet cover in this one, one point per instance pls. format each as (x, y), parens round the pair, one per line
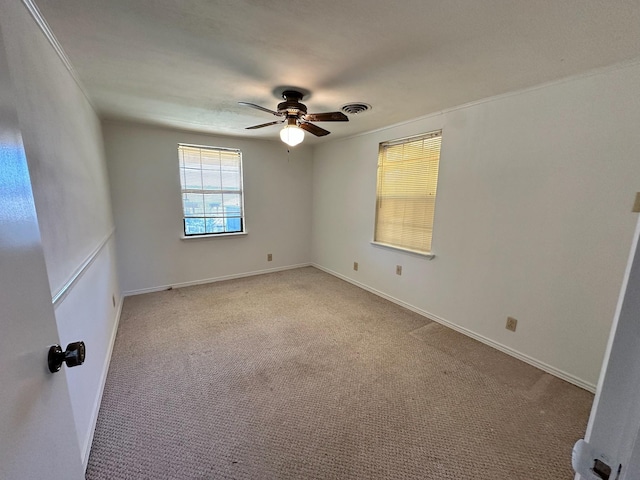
(398, 269)
(355, 266)
(512, 324)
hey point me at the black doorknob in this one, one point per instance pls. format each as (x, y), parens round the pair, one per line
(72, 356)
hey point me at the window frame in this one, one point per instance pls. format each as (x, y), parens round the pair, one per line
(221, 191)
(382, 150)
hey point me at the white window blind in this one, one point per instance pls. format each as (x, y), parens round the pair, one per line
(406, 191)
(211, 180)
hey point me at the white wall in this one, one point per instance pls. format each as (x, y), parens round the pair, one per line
(66, 156)
(533, 218)
(143, 167)
(63, 143)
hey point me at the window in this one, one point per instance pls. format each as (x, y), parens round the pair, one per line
(406, 192)
(211, 180)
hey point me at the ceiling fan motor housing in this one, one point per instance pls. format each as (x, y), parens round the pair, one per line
(292, 103)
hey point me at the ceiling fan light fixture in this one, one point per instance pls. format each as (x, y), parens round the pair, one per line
(297, 119)
(292, 135)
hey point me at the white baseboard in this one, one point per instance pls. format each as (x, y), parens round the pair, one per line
(487, 341)
(86, 450)
(213, 279)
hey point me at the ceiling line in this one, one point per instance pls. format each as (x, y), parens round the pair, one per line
(53, 41)
(590, 73)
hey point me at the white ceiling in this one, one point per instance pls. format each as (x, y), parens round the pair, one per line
(186, 63)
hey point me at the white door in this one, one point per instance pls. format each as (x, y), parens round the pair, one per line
(613, 433)
(38, 437)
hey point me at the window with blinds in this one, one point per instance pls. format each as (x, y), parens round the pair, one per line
(211, 180)
(406, 192)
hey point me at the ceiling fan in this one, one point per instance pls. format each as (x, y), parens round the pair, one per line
(296, 118)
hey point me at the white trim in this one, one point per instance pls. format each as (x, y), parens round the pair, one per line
(77, 274)
(498, 346)
(428, 256)
(86, 450)
(213, 280)
(48, 33)
(213, 235)
(209, 147)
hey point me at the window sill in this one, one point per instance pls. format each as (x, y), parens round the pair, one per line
(428, 256)
(212, 235)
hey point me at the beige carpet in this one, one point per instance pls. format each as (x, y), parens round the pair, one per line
(300, 375)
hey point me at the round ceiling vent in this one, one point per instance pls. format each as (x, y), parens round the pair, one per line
(355, 108)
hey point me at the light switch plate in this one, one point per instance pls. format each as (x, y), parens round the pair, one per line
(636, 205)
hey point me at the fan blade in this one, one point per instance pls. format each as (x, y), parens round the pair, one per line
(316, 130)
(253, 105)
(264, 125)
(326, 117)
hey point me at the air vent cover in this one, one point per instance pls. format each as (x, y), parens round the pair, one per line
(355, 108)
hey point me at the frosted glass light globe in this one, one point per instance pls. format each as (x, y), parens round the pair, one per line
(292, 135)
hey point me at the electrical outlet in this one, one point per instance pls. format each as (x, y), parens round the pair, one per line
(398, 269)
(355, 266)
(512, 323)
(113, 300)
(269, 257)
